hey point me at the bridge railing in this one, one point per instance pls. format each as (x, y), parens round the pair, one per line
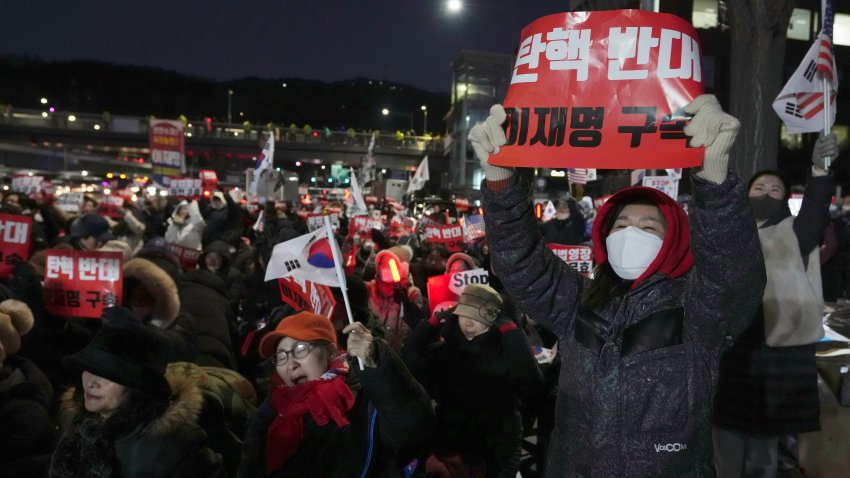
(99, 124)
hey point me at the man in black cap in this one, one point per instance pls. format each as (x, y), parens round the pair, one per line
(90, 232)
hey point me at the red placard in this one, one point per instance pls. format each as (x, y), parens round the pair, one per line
(462, 204)
(579, 258)
(448, 287)
(449, 236)
(188, 257)
(209, 179)
(15, 234)
(603, 90)
(111, 206)
(306, 295)
(82, 283)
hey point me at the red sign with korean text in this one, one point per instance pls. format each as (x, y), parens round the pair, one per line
(306, 295)
(462, 204)
(15, 234)
(579, 258)
(603, 90)
(111, 206)
(209, 179)
(449, 236)
(188, 257)
(82, 283)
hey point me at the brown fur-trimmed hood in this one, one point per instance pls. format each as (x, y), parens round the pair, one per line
(158, 283)
(184, 408)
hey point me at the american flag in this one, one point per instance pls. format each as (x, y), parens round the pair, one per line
(577, 175)
(473, 227)
(801, 105)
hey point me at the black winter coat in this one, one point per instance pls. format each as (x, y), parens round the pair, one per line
(202, 294)
(391, 414)
(628, 403)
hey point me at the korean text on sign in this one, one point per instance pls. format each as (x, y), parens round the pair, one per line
(185, 187)
(579, 258)
(82, 284)
(602, 90)
(449, 236)
(15, 234)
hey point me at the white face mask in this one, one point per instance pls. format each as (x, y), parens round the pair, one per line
(562, 215)
(631, 250)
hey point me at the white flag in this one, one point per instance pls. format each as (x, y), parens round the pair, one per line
(307, 257)
(549, 211)
(420, 178)
(368, 168)
(264, 165)
(800, 104)
(356, 202)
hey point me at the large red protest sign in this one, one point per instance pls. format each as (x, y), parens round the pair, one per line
(82, 283)
(449, 236)
(15, 233)
(603, 90)
(307, 295)
(579, 258)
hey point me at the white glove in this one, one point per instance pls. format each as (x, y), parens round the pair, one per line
(714, 129)
(825, 147)
(486, 138)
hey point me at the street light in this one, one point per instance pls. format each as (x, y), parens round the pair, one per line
(229, 106)
(387, 112)
(454, 6)
(424, 119)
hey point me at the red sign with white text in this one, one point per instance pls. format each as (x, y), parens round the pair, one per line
(449, 236)
(579, 258)
(15, 234)
(306, 295)
(111, 206)
(603, 90)
(188, 257)
(82, 283)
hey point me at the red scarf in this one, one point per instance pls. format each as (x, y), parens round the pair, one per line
(326, 398)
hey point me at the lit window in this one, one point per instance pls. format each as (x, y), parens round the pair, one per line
(841, 29)
(705, 14)
(800, 26)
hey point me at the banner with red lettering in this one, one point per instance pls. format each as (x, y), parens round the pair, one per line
(603, 90)
(185, 188)
(168, 150)
(82, 283)
(307, 295)
(188, 257)
(579, 258)
(317, 221)
(449, 236)
(448, 287)
(15, 234)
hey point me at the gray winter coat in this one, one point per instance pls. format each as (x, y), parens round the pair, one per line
(634, 396)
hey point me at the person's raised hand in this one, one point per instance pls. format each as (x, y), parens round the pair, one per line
(714, 129)
(360, 343)
(486, 139)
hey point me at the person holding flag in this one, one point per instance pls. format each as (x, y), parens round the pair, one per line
(641, 341)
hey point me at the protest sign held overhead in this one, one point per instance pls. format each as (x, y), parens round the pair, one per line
(82, 283)
(168, 150)
(602, 90)
(15, 236)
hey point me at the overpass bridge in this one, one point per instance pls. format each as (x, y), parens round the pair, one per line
(65, 144)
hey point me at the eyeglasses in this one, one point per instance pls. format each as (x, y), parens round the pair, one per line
(299, 350)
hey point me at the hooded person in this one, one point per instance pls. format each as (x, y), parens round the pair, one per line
(393, 298)
(186, 225)
(126, 417)
(90, 232)
(640, 343)
(476, 366)
(459, 262)
(25, 400)
(222, 219)
(315, 422)
(151, 294)
(216, 258)
(768, 383)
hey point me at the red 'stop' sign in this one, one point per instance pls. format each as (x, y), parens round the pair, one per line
(603, 90)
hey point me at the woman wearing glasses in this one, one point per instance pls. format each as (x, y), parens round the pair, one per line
(317, 421)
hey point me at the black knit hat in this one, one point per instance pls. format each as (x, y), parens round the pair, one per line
(126, 352)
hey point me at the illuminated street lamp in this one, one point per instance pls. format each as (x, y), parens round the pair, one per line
(424, 119)
(454, 6)
(43, 101)
(387, 112)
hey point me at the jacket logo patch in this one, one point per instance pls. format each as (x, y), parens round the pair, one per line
(672, 447)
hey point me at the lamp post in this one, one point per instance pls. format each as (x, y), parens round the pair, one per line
(229, 106)
(424, 119)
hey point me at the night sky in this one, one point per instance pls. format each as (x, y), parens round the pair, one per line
(405, 41)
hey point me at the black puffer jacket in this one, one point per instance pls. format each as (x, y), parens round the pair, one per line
(203, 296)
(632, 402)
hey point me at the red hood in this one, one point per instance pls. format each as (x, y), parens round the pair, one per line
(674, 259)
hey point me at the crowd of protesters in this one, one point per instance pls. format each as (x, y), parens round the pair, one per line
(205, 370)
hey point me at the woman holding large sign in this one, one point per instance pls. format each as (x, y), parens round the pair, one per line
(641, 341)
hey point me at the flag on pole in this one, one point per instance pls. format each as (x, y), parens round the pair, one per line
(368, 168)
(800, 104)
(264, 164)
(473, 227)
(549, 211)
(577, 175)
(309, 257)
(358, 205)
(420, 177)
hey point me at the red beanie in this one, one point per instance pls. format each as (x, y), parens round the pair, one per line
(305, 326)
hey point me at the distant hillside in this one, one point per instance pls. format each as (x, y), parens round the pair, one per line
(93, 87)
